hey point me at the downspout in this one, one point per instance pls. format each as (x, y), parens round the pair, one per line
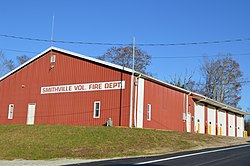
(131, 101)
(187, 111)
(135, 101)
(132, 87)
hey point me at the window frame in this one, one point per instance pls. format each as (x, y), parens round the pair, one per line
(149, 112)
(53, 58)
(95, 109)
(11, 111)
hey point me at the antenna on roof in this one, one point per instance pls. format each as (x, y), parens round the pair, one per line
(52, 32)
(52, 57)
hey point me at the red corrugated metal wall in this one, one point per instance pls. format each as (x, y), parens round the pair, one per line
(77, 108)
(23, 87)
(168, 106)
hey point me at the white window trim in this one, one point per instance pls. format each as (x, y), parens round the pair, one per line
(10, 115)
(95, 109)
(149, 112)
(52, 58)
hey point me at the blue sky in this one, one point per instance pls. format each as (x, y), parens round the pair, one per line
(150, 21)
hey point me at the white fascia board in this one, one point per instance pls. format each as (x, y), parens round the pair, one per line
(92, 59)
(164, 83)
(26, 63)
(69, 53)
(220, 105)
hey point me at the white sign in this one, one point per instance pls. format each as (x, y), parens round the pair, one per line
(114, 85)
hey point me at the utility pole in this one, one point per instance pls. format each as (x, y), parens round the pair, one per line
(132, 86)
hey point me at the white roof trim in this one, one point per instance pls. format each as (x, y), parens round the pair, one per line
(210, 101)
(165, 83)
(206, 99)
(26, 63)
(70, 53)
(92, 59)
(220, 105)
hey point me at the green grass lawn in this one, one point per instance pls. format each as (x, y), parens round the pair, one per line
(55, 141)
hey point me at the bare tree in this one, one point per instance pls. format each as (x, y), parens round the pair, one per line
(222, 78)
(22, 59)
(184, 81)
(123, 56)
(9, 64)
(2, 59)
(6, 65)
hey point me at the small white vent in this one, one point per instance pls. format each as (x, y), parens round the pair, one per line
(53, 58)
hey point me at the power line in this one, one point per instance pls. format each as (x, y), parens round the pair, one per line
(127, 44)
(153, 57)
(198, 56)
(198, 43)
(245, 82)
(21, 51)
(232, 83)
(62, 41)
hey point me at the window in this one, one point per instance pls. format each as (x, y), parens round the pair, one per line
(53, 58)
(11, 111)
(97, 109)
(149, 112)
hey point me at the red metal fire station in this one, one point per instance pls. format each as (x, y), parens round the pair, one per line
(62, 87)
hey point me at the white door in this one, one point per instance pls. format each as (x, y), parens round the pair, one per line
(140, 103)
(199, 124)
(211, 117)
(222, 123)
(240, 126)
(189, 122)
(231, 124)
(31, 114)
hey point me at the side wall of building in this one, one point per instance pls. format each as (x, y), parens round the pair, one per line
(167, 107)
